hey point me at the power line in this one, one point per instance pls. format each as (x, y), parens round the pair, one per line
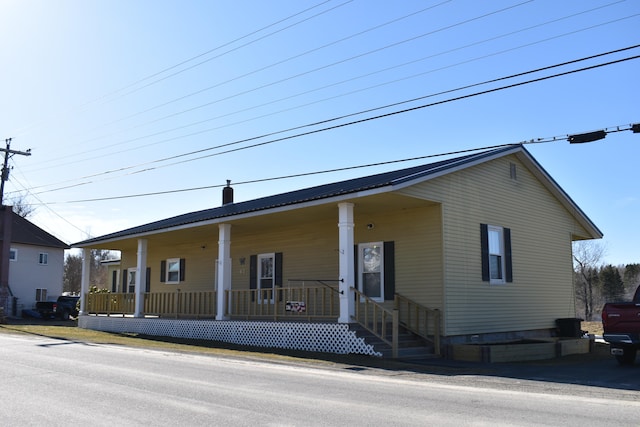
(317, 123)
(335, 84)
(571, 138)
(118, 91)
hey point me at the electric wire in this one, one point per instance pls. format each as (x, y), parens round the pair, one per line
(334, 84)
(321, 122)
(612, 129)
(118, 91)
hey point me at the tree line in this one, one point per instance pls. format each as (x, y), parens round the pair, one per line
(596, 284)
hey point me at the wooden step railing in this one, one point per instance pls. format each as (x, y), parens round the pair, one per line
(421, 320)
(377, 320)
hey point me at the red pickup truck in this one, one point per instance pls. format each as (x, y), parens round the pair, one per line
(621, 322)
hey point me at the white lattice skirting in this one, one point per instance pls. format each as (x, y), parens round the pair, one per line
(322, 337)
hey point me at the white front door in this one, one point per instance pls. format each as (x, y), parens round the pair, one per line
(266, 279)
(371, 270)
(131, 281)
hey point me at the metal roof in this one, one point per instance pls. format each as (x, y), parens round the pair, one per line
(391, 179)
(25, 232)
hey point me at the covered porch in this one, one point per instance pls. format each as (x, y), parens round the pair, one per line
(225, 282)
(312, 311)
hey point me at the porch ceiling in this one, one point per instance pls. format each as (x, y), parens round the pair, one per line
(208, 232)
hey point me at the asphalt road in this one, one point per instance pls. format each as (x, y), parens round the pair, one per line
(51, 382)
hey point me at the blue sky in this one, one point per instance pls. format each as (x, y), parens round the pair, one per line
(111, 95)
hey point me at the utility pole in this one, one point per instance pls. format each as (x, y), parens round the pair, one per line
(6, 222)
(8, 153)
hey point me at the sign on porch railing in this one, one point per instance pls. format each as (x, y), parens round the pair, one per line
(296, 306)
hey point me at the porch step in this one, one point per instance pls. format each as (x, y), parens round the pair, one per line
(410, 346)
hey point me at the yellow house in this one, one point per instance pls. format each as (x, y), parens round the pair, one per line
(474, 248)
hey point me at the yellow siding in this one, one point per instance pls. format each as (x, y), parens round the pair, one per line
(541, 230)
(310, 251)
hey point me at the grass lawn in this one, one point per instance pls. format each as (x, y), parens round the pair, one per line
(594, 328)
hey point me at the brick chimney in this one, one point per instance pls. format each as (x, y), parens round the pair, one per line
(227, 193)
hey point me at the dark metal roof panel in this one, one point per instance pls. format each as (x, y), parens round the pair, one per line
(335, 189)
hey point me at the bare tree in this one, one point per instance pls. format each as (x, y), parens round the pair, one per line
(21, 207)
(73, 270)
(72, 275)
(587, 256)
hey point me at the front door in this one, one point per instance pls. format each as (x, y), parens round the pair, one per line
(371, 268)
(131, 280)
(266, 270)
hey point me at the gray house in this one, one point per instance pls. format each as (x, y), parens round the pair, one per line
(36, 264)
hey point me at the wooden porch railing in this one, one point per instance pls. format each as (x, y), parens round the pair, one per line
(421, 320)
(376, 319)
(164, 304)
(181, 304)
(290, 303)
(108, 303)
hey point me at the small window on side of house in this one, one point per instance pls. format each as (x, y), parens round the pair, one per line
(41, 294)
(43, 258)
(13, 255)
(496, 254)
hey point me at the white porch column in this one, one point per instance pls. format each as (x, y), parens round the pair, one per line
(346, 264)
(141, 278)
(84, 283)
(224, 269)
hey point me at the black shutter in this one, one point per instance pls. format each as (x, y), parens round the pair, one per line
(183, 268)
(147, 285)
(253, 274)
(125, 281)
(278, 274)
(388, 252)
(114, 281)
(506, 232)
(484, 250)
(163, 271)
(356, 263)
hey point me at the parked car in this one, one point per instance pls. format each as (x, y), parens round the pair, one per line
(621, 322)
(63, 308)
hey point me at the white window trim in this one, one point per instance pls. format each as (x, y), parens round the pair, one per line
(43, 256)
(41, 291)
(166, 273)
(360, 262)
(501, 253)
(259, 277)
(15, 255)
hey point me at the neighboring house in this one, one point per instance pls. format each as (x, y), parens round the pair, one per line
(479, 246)
(36, 264)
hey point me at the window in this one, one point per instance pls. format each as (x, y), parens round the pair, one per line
(131, 281)
(266, 275)
(13, 254)
(371, 270)
(375, 270)
(41, 294)
(172, 270)
(496, 254)
(43, 258)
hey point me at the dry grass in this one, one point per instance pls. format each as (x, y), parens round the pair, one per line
(594, 328)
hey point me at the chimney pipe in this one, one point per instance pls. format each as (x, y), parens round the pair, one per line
(227, 193)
